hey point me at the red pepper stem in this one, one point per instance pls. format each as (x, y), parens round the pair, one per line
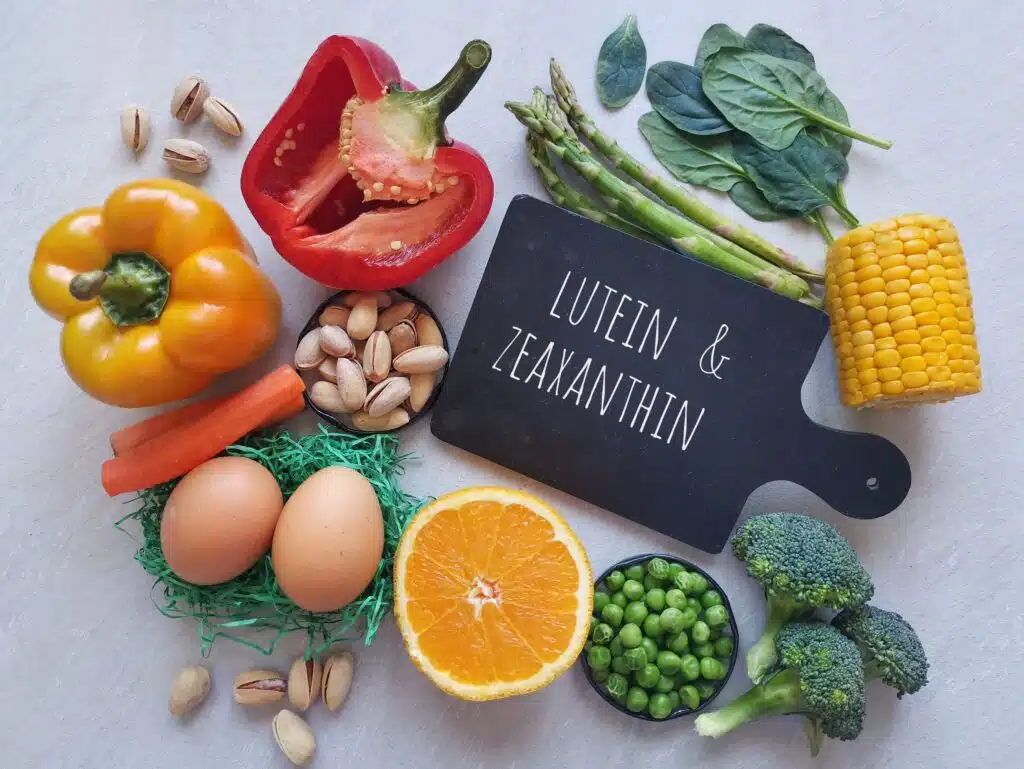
(445, 97)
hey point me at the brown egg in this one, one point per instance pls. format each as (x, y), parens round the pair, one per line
(329, 540)
(220, 519)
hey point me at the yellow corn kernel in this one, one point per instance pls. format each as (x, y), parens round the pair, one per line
(871, 285)
(890, 374)
(876, 299)
(904, 324)
(915, 378)
(908, 350)
(900, 309)
(876, 314)
(893, 261)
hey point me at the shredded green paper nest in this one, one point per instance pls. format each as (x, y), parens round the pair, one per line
(253, 602)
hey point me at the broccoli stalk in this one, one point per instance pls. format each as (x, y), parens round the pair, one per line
(803, 564)
(821, 676)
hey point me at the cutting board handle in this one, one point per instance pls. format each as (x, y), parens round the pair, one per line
(858, 474)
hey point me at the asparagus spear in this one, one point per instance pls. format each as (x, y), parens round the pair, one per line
(550, 125)
(574, 200)
(675, 196)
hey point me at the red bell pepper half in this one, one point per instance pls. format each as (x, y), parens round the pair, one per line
(355, 179)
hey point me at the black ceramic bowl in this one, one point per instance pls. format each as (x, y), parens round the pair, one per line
(340, 420)
(733, 632)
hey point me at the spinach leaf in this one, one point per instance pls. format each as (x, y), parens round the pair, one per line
(703, 160)
(717, 37)
(747, 196)
(773, 41)
(772, 99)
(833, 108)
(621, 64)
(801, 178)
(676, 94)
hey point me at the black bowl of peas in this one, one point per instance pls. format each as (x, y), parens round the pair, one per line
(663, 640)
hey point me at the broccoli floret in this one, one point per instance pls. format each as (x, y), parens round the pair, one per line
(821, 676)
(803, 564)
(888, 645)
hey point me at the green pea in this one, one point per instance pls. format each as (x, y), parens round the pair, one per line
(636, 700)
(600, 601)
(599, 675)
(620, 666)
(711, 669)
(658, 568)
(669, 663)
(599, 658)
(704, 650)
(633, 590)
(636, 612)
(675, 568)
(689, 667)
(650, 647)
(630, 636)
(635, 658)
(652, 583)
(635, 572)
(655, 599)
(615, 580)
(675, 598)
(698, 582)
(665, 684)
(660, 706)
(672, 620)
(647, 676)
(723, 647)
(594, 621)
(652, 626)
(700, 632)
(617, 684)
(689, 697)
(612, 614)
(706, 689)
(681, 581)
(689, 618)
(673, 697)
(602, 634)
(711, 598)
(618, 599)
(679, 644)
(717, 616)
(691, 603)
(616, 647)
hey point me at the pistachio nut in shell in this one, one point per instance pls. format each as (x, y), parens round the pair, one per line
(258, 687)
(188, 97)
(304, 682)
(188, 690)
(337, 680)
(294, 737)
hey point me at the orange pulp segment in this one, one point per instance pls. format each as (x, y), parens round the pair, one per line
(493, 593)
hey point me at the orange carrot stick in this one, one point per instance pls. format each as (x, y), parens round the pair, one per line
(128, 438)
(184, 448)
(131, 437)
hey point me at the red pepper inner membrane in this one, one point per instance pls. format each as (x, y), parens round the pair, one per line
(309, 179)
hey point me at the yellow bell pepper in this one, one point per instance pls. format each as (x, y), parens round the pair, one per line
(158, 292)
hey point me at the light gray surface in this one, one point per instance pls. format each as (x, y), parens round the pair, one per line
(85, 658)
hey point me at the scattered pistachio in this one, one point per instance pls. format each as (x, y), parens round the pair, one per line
(189, 689)
(258, 687)
(186, 155)
(337, 680)
(223, 115)
(135, 127)
(304, 682)
(294, 737)
(188, 98)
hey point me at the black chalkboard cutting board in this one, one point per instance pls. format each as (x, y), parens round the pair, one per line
(679, 386)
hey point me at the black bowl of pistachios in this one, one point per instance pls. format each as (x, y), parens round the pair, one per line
(373, 361)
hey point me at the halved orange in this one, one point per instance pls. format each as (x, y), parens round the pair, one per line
(493, 593)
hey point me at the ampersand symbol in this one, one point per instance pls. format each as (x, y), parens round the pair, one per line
(709, 364)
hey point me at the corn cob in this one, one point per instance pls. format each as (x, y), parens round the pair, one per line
(900, 309)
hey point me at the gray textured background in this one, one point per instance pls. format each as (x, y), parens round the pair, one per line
(85, 658)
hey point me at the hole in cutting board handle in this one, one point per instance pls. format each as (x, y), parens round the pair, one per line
(872, 483)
